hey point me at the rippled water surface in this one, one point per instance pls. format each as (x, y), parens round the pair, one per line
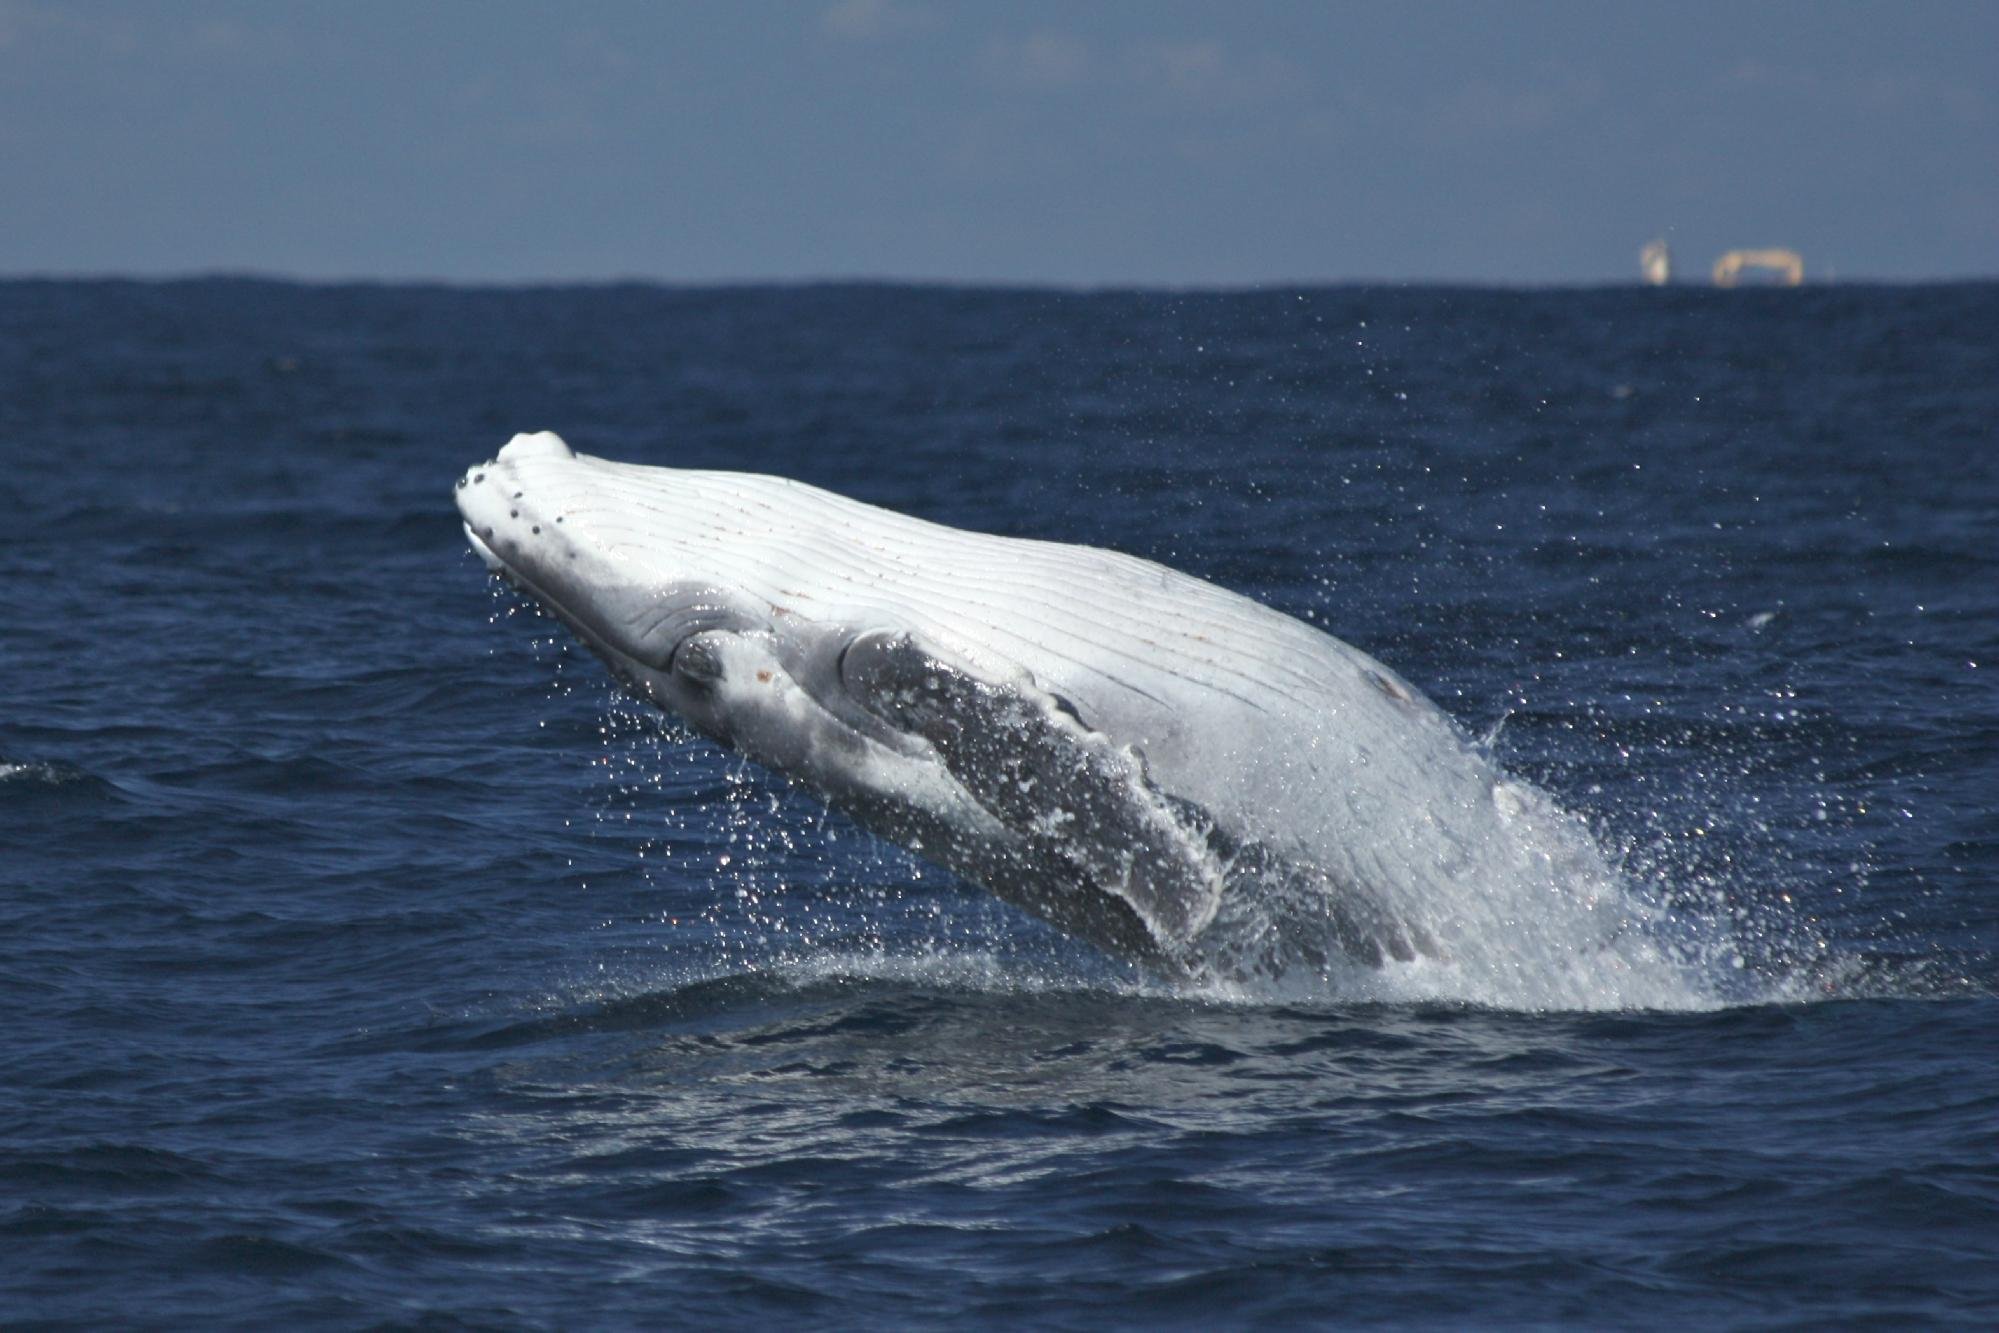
(368, 961)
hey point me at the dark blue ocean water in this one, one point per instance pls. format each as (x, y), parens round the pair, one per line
(364, 960)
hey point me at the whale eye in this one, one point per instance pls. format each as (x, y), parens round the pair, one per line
(697, 658)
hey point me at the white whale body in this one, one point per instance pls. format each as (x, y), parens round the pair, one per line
(1166, 769)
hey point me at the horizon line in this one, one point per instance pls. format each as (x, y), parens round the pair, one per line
(1020, 285)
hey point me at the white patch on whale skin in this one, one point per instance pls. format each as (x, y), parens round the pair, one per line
(1154, 763)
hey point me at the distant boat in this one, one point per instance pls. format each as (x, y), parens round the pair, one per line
(1788, 265)
(1655, 261)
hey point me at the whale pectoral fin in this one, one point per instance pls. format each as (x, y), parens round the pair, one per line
(1075, 800)
(1083, 805)
(1284, 910)
(899, 680)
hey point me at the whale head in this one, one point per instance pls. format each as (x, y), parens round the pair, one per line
(634, 564)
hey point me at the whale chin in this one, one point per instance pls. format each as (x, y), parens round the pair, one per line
(1162, 768)
(485, 553)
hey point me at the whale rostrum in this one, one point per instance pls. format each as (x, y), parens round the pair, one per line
(1168, 770)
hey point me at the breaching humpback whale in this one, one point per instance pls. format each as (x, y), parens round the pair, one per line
(1171, 771)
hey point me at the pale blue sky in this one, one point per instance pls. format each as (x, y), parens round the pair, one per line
(1142, 142)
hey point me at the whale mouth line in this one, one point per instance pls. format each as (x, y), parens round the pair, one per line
(497, 566)
(487, 554)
